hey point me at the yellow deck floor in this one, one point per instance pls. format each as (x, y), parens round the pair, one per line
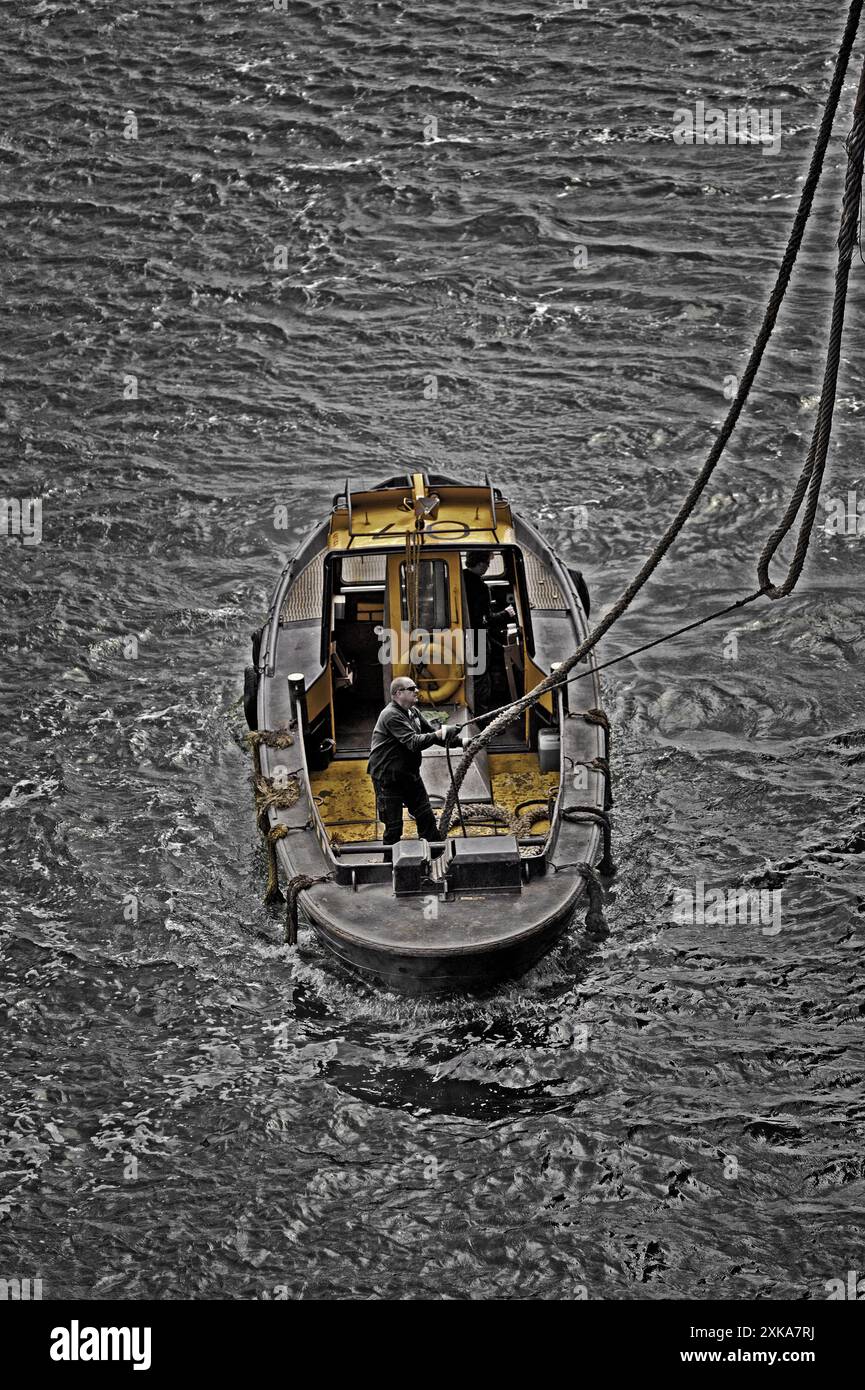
(346, 800)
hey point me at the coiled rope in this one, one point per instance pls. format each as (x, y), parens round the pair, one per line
(519, 824)
(812, 472)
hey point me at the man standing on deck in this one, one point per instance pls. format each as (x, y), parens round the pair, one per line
(398, 740)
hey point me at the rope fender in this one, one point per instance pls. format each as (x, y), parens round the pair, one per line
(600, 763)
(596, 925)
(296, 886)
(270, 796)
(271, 892)
(603, 767)
(577, 813)
(271, 738)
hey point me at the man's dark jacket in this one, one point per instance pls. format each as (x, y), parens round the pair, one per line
(398, 740)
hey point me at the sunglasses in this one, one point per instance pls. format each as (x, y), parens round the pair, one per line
(408, 690)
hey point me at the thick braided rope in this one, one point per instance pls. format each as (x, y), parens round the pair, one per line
(519, 825)
(770, 316)
(811, 476)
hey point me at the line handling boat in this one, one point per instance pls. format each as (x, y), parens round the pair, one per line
(377, 591)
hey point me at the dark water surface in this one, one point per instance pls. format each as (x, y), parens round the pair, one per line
(191, 1109)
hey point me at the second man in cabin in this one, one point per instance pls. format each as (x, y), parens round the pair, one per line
(482, 622)
(398, 740)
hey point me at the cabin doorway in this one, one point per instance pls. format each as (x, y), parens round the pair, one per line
(357, 621)
(398, 614)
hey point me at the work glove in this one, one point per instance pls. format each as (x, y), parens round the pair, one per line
(452, 733)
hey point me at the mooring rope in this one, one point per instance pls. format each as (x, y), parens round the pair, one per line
(597, 716)
(811, 477)
(813, 469)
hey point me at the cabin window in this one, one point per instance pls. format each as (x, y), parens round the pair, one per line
(362, 569)
(496, 567)
(433, 603)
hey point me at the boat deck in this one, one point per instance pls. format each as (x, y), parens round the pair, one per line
(346, 800)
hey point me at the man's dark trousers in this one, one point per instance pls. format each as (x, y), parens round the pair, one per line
(409, 791)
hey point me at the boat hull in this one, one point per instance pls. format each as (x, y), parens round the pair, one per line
(437, 972)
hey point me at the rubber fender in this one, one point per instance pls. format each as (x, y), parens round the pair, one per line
(250, 696)
(436, 694)
(582, 590)
(256, 646)
(439, 693)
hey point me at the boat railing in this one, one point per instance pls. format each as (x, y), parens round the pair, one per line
(333, 854)
(345, 501)
(267, 659)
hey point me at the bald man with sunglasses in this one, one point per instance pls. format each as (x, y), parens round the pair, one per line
(398, 740)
